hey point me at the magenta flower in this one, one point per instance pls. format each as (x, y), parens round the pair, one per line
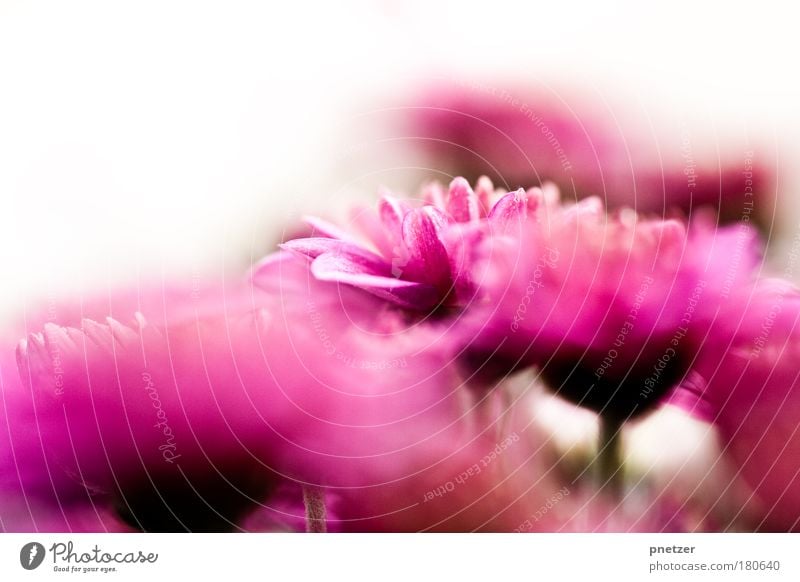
(611, 308)
(524, 136)
(234, 397)
(35, 494)
(417, 256)
(747, 383)
(124, 405)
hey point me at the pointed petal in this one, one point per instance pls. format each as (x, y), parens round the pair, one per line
(510, 212)
(428, 261)
(344, 269)
(392, 212)
(462, 204)
(310, 247)
(348, 263)
(323, 228)
(484, 189)
(314, 247)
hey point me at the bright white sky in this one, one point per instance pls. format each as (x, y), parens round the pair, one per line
(171, 136)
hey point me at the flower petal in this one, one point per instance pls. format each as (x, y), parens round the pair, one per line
(315, 246)
(510, 212)
(392, 212)
(484, 190)
(428, 260)
(349, 270)
(323, 228)
(462, 203)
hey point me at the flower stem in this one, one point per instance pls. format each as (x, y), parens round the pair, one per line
(314, 501)
(609, 457)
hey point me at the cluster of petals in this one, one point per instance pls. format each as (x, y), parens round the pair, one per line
(415, 254)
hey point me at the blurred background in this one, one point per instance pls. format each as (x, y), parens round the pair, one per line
(152, 139)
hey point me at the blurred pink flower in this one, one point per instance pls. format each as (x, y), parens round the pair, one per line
(611, 308)
(747, 383)
(524, 136)
(123, 405)
(202, 417)
(35, 494)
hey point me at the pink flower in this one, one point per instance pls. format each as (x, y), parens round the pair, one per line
(611, 308)
(125, 399)
(524, 136)
(747, 384)
(35, 494)
(205, 415)
(415, 256)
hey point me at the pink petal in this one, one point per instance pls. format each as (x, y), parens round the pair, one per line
(428, 259)
(462, 204)
(351, 271)
(598, 153)
(392, 212)
(323, 228)
(510, 212)
(484, 189)
(314, 247)
(348, 263)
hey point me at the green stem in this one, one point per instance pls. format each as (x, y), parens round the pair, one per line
(314, 501)
(609, 457)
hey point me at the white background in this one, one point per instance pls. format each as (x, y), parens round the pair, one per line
(166, 137)
(389, 557)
